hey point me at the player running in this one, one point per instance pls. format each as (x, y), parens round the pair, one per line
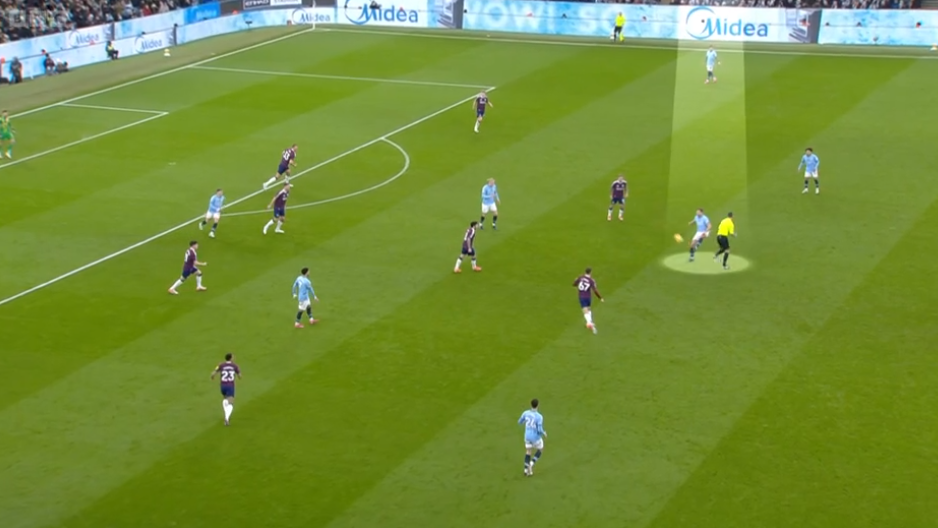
(534, 436)
(586, 287)
(617, 195)
(287, 161)
(303, 290)
(480, 103)
(7, 139)
(810, 162)
(490, 201)
(703, 231)
(227, 371)
(215, 204)
(711, 63)
(189, 268)
(468, 249)
(279, 203)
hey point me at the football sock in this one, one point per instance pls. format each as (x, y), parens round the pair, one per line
(817, 183)
(215, 226)
(726, 257)
(537, 456)
(693, 249)
(224, 406)
(176, 284)
(459, 263)
(527, 461)
(269, 182)
(203, 223)
(477, 126)
(228, 410)
(266, 227)
(481, 219)
(806, 183)
(299, 315)
(309, 311)
(474, 265)
(589, 317)
(198, 281)
(718, 253)
(494, 220)
(279, 224)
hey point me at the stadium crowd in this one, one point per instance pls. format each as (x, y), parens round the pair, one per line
(792, 4)
(21, 19)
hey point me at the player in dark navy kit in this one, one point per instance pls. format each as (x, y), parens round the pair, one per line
(279, 204)
(618, 193)
(586, 288)
(468, 249)
(190, 267)
(480, 103)
(227, 370)
(287, 162)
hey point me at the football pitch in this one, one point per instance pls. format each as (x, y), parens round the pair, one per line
(796, 390)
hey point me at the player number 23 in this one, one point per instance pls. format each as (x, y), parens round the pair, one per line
(227, 375)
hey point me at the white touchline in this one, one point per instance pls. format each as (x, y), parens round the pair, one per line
(83, 140)
(163, 73)
(112, 108)
(340, 77)
(159, 235)
(324, 201)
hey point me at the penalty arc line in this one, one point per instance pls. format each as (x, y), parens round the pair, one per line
(187, 223)
(375, 187)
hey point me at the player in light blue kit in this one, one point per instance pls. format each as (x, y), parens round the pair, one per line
(534, 436)
(214, 212)
(711, 63)
(303, 290)
(810, 162)
(490, 201)
(703, 231)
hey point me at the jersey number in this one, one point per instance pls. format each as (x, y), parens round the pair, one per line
(530, 423)
(584, 286)
(227, 376)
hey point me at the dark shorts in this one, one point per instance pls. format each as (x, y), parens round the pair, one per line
(480, 112)
(617, 30)
(283, 168)
(468, 251)
(227, 391)
(620, 201)
(586, 302)
(723, 241)
(280, 212)
(189, 271)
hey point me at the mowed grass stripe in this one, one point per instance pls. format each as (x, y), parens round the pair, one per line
(178, 379)
(381, 282)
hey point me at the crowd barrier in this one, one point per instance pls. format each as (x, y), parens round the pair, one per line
(697, 23)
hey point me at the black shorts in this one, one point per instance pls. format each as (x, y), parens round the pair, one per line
(617, 30)
(724, 242)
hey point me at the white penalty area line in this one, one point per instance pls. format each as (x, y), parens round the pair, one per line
(675, 45)
(84, 140)
(340, 77)
(187, 223)
(375, 187)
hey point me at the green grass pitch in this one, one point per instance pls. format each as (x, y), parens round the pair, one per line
(797, 392)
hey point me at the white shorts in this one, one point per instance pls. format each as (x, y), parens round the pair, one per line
(303, 305)
(700, 236)
(487, 208)
(212, 216)
(534, 445)
(709, 69)
(810, 174)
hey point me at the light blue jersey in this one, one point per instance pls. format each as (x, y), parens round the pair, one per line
(533, 426)
(489, 194)
(711, 59)
(810, 162)
(303, 289)
(702, 223)
(215, 203)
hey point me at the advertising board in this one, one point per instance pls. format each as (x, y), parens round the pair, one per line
(740, 24)
(879, 27)
(393, 13)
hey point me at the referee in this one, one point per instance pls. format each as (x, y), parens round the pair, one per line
(617, 31)
(724, 232)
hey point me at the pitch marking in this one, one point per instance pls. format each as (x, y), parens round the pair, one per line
(704, 264)
(339, 77)
(344, 196)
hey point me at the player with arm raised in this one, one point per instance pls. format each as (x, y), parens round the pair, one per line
(711, 63)
(303, 290)
(215, 204)
(490, 202)
(480, 103)
(287, 162)
(279, 204)
(810, 162)
(534, 436)
(586, 288)
(190, 267)
(617, 194)
(227, 370)
(468, 249)
(703, 231)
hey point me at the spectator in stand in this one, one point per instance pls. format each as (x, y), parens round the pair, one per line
(22, 19)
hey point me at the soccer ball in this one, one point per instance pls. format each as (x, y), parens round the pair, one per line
(678, 238)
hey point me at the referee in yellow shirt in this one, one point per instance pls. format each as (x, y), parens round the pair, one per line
(724, 232)
(617, 31)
